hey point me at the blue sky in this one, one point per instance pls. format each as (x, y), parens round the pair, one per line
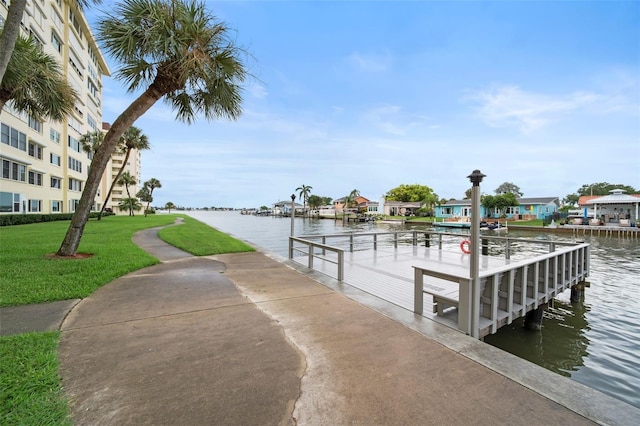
(369, 95)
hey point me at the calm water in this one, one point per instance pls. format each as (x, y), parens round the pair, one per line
(595, 343)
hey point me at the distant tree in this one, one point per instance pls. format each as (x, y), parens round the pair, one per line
(131, 139)
(130, 204)
(604, 188)
(314, 202)
(146, 192)
(429, 202)
(350, 200)
(509, 188)
(303, 191)
(34, 81)
(499, 202)
(571, 199)
(263, 208)
(409, 193)
(127, 179)
(169, 205)
(467, 194)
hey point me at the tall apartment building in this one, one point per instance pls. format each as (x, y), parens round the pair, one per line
(44, 168)
(134, 168)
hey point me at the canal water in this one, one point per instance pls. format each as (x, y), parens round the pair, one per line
(595, 342)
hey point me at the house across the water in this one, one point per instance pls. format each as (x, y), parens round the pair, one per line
(528, 209)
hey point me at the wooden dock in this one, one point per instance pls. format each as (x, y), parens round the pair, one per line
(414, 276)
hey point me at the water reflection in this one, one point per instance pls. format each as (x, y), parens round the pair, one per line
(561, 346)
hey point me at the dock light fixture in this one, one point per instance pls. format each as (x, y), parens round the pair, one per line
(474, 263)
(476, 177)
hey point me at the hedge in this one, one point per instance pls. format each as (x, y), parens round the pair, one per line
(24, 219)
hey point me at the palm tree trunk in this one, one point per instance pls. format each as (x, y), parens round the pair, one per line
(126, 186)
(113, 184)
(138, 107)
(10, 33)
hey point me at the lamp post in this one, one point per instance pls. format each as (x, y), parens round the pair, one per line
(293, 211)
(475, 177)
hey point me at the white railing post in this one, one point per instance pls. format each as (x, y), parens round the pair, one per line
(351, 243)
(290, 247)
(375, 241)
(465, 303)
(418, 291)
(341, 265)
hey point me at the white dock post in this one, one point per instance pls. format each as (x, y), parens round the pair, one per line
(475, 177)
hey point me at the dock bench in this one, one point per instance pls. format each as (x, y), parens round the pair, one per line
(444, 294)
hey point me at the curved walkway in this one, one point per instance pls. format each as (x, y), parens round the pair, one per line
(243, 339)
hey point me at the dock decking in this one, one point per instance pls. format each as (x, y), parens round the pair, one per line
(509, 288)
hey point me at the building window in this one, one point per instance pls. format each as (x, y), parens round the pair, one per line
(75, 164)
(55, 41)
(56, 206)
(13, 137)
(14, 171)
(92, 122)
(35, 206)
(35, 150)
(55, 159)
(35, 178)
(512, 210)
(54, 135)
(73, 204)
(56, 182)
(75, 185)
(74, 144)
(35, 124)
(9, 202)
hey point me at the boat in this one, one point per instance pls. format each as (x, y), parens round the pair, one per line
(494, 226)
(453, 224)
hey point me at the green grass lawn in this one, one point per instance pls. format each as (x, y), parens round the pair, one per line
(200, 239)
(30, 389)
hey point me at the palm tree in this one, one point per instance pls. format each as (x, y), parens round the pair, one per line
(169, 206)
(130, 204)
(35, 83)
(91, 141)
(303, 191)
(172, 49)
(131, 139)
(146, 193)
(349, 201)
(127, 179)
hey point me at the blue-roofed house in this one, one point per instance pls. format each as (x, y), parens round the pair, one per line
(528, 208)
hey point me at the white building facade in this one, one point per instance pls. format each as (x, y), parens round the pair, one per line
(44, 168)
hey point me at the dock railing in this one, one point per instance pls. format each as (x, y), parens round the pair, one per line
(506, 292)
(543, 269)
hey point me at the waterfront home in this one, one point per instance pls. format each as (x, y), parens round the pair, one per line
(528, 209)
(361, 201)
(282, 208)
(400, 208)
(617, 208)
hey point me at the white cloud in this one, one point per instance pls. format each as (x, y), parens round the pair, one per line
(510, 106)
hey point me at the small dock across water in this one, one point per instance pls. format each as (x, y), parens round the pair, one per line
(433, 279)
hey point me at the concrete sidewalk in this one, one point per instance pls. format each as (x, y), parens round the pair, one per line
(245, 339)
